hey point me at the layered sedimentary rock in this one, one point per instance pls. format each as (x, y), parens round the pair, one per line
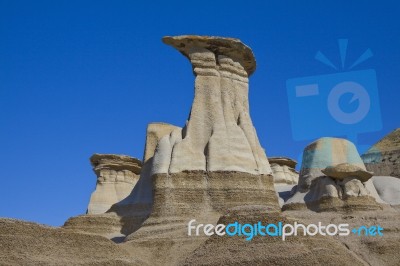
(150, 225)
(321, 192)
(283, 170)
(214, 163)
(219, 134)
(285, 176)
(116, 177)
(26, 243)
(383, 158)
(301, 250)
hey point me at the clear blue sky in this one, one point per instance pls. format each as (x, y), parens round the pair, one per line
(84, 77)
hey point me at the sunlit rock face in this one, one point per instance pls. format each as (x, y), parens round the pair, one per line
(333, 177)
(212, 164)
(219, 134)
(215, 162)
(285, 176)
(284, 171)
(154, 132)
(116, 177)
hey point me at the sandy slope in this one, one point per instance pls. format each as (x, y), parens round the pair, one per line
(26, 243)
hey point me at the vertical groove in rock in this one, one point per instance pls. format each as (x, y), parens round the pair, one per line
(219, 119)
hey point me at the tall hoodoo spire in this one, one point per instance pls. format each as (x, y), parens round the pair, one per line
(219, 135)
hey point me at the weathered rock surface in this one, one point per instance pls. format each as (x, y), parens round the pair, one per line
(301, 250)
(319, 192)
(25, 243)
(383, 158)
(283, 170)
(154, 132)
(345, 170)
(285, 176)
(388, 188)
(214, 170)
(116, 177)
(213, 163)
(283, 161)
(219, 134)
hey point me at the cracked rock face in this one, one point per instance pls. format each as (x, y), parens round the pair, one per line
(219, 134)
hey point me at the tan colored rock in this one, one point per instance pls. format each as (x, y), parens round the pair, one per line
(389, 142)
(155, 131)
(344, 170)
(219, 134)
(283, 170)
(115, 162)
(383, 158)
(230, 47)
(214, 163)
(388, 188)
(26, 243)
(283, 161)
(116, 177)
(156, 213)
(319, 192)
(299, 250)
(326, 152)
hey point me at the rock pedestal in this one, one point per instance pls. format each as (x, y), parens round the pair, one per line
(215, 162)
(320, 192)
(283, 170)
(219, 134)
(116, 177)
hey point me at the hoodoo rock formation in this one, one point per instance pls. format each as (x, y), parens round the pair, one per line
(213, 170)
(215, 161)
(116, 177)
(283, 170)
(285, 176)
(219, 134)
(333, 177)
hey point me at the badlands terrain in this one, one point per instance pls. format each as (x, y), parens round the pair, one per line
(214, 170)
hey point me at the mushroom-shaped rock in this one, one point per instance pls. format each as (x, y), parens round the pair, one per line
(283, 170)
(228, 47)
(283, 161)
(343, 170)
(350, 188)
(215, 162)
(116, 177)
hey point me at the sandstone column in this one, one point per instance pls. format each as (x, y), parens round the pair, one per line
(215, 162)
(219, 135)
